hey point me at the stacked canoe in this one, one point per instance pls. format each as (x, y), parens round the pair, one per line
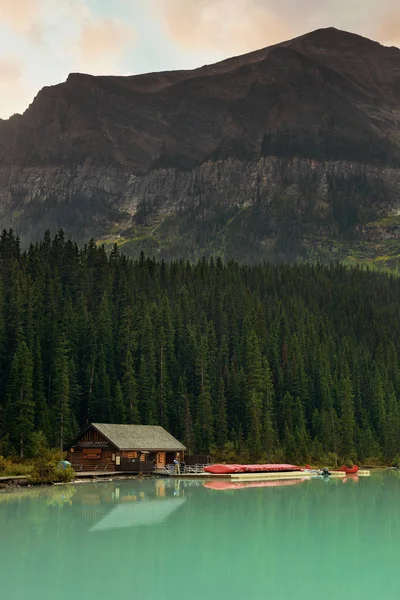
(231, 469)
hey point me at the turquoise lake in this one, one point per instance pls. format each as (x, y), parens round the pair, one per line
(170, 539)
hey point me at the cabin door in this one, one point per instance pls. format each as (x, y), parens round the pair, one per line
(160, 460)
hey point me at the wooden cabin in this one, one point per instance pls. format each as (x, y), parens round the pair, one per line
(134, 448)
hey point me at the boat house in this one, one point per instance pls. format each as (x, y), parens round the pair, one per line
(129, 448)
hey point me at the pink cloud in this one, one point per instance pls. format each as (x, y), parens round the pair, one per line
(104, 39)
(23, 16)
(236, 26)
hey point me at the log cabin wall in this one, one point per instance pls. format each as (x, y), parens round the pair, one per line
(87, 460)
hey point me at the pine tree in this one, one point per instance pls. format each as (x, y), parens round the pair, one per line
(204, 412)
(253, 364)
(254, 424)
(119, 405)
(130, 393)
(392, 429)
(42, 413)
(187, 422)
(347, 419)
(221, 429)
(270, 443)
(102, 401)
(61, 392)
(204, 422)
(20, 411)
(147, 373)
(301, 436)
(164, 391)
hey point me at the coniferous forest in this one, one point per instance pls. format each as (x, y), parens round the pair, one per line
(266, 362)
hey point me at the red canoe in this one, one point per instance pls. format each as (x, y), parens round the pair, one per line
(349, 470)
(229, 469)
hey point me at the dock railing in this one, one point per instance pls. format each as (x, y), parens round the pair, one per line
(184, 470)
(195, 469)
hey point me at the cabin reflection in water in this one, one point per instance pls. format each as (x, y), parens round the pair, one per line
(112, 506)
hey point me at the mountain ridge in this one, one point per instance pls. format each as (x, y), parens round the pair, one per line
(148, 158)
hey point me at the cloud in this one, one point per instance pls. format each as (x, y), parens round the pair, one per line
(23, 16)
(228, 25)
(390, 24)
(104, 40)
(11, 85)
(10, 70)
(49, 39)
(235, 26)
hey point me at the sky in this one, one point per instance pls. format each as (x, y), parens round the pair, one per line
(42, 41)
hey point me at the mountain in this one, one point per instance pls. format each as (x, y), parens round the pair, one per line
(292, 151)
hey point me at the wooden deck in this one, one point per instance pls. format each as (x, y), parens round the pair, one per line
(276, 476)
(232, 476)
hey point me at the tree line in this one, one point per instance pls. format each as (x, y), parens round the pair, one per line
(265, 362)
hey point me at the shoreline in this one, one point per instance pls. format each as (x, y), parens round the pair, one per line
(17, 482)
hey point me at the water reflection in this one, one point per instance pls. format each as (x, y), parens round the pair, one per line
(128, 504)
(242, 485)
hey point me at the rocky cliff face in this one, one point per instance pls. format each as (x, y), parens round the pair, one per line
(274, 155)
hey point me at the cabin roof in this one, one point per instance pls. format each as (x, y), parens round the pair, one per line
(139, 437)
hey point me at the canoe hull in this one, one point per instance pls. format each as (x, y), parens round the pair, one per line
(349, 470)
(231, 469)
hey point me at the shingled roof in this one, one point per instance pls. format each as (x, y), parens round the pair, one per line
(139, 437)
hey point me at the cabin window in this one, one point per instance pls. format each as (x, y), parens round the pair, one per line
(92, 454)
(129, 455)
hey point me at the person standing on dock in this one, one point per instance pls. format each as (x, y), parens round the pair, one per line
(177, 470)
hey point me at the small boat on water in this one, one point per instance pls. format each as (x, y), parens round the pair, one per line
(269, 468)
(349, 470)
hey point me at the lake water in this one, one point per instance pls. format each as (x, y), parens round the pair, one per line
(172, 540)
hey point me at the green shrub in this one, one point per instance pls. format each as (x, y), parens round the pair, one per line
(9, 467)
(46, 469)
(45, 465)
(396, 461)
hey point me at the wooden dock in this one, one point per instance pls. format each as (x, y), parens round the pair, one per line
(271, 476)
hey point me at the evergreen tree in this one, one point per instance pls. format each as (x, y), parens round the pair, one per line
(187, 422)
(347, 419)
(221, 430)
(130, 394)
(119, 405)
(20, 412)
(61, 393)
(42, 413)
(147, 372)
(255, 424)
(204, 422)
(270, 443)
